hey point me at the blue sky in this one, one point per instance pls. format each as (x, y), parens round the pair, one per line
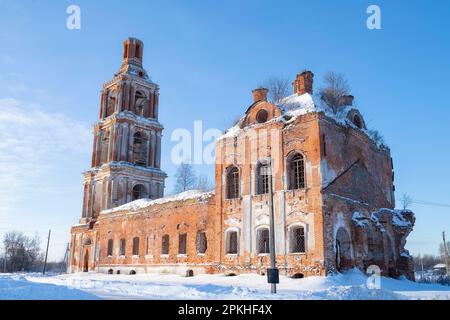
(207, 56)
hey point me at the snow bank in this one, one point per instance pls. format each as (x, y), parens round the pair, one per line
(351, 285)
(13, 287)
(136, 205)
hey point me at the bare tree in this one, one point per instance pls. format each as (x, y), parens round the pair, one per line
(204, 184)
(278, 88)
(406, 201)
(185, 177)
(335, 87)
(22, 253)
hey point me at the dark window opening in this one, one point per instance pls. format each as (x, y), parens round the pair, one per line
(357, 121)
(182, 241)
(139, 192)
(232, 242)
(165, 244)
(139, 103)
(324, 145)
(122, 247)
(136, 246)
(233, 183)
(263, 240)
(202, 243)
(110, 247)
(263, 178)
(297, 240)
(139, 150)
(262, 116)
(138, 51)
(296, 172)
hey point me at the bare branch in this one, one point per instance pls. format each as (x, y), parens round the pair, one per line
(278, 88)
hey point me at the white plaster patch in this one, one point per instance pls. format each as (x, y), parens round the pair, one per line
(327, 174)
(233, 222)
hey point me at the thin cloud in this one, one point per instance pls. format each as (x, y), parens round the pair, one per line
(32, 143)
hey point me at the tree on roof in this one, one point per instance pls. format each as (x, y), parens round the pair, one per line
(335, 86)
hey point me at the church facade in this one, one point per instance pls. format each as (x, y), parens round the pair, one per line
(332, 181)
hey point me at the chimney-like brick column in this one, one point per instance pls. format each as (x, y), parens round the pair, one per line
(346, 100)
(259, 94)
(303, 83)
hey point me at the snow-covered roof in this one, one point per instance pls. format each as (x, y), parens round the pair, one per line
(440, 266)
(145, 203)
(296, 105)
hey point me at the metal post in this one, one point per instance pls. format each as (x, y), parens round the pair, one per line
(273, 272)
(46, 252)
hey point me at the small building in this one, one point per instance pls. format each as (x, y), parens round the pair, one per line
(440, 268)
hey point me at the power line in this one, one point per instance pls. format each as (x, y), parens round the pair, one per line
(429, 203)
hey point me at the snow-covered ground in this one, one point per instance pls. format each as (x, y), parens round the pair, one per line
(351, 285)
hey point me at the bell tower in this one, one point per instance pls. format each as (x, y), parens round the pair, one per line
(126, 156)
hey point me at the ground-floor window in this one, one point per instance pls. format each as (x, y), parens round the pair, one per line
(110, 247)
(232, 242)
(136, 246)
(122, 247)
(202, 242)
(182, 240)
(297, 239)
(262, 240)
(165, 244)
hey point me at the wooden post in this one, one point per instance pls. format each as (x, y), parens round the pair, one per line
(46, 252)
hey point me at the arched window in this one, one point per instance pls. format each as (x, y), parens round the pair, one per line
(165, 244)
(297, 239)
(139, 103)
(122, 247)
(296, 169)
(140, 149)
(262, 116)
(110, 247)
(233, 183)
(202, 242)
(232, 242)
(262, 178)
(139, 192)
(182, 242)
(136, 246)
(111, 103)
(104, 145)
(262, 240)
(357, 121)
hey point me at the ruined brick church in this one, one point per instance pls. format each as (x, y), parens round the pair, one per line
(333, 190)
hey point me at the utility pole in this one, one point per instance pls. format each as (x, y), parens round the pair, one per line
(272, 272)
(46, 252)
(445, 253)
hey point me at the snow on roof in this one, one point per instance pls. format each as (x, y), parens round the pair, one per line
(296, 105)
(440, 266)
(144, 203)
